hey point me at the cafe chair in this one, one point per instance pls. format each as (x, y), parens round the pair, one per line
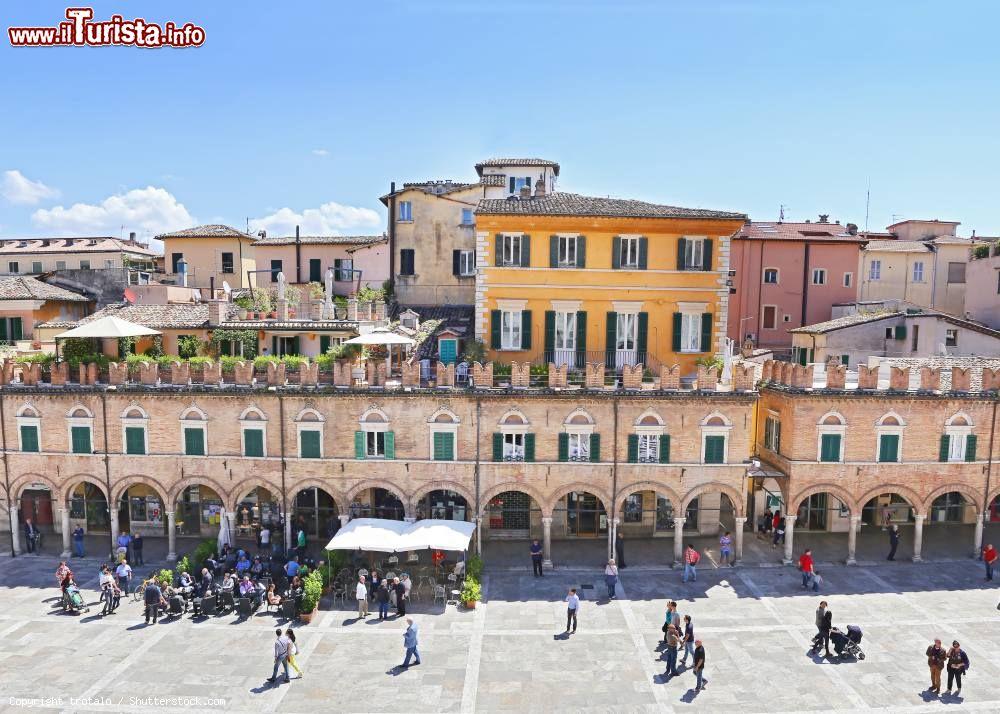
(208, 605)
(288, 609)
(227, 602)
(440, 593)
(245, 608)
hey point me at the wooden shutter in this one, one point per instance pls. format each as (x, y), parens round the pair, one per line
(456, 262)
(336, 268)
(706, 332)
(29, 437)
(497, 446)
(359, 445)
(135, 440)
(633, 448)
(390, 444)
(498, 249)
(553, 251)
(970, 447)
(900, 332)
(274, 345)
(529, 447)
(681, 251)
(706, 254)
(616, 252)
(315, 270)
(3, 329)
(829, 448)
(888, 448)
(563, 446)
(253, 442)
(550, 335)
(81, 439)
(444, 446)
(664, 455)
(581, 251)
(595, 447)
(513, 185)
(581, 339)
(944, 448)
(525, 329)
(610, 339)
(324, 344)
(676, 335)
(643, 252)
(525, 251)
(309, 447)
(642, 337)
(295, 346)
(16, 329)
(194, 441)
(715, 448)
(495, 329)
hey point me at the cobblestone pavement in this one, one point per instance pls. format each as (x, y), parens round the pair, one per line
(510, 654)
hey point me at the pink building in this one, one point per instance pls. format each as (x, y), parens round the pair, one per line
(788, 275)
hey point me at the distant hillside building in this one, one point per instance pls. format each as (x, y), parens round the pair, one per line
(34, 256)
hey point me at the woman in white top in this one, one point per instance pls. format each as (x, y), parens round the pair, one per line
(611, 578)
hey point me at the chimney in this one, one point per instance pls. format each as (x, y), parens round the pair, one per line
(182, 272)
(540, 188)
(852, 229)
(824, 218)
(216, 311)
(131, 237)
(525, 192)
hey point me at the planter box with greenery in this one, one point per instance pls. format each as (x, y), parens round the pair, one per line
(471, 592)
(312, 587)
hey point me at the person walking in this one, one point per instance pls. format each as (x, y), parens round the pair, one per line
(152, 596)
(699, 665)
(78, 542)
(806, 566)
(536, 558)
(687, 640)
(31, 534)
(893, 541)
(572, 608)
(673, 641)
(936, 656)
(137, 549)
(990, 560)
(691, 559)
(886, 516)
(779, 530)
(410, 643)
(382, 597)
(958, 664)
(400, 589)
(726, 549)
(824, 625)
(293, 649)
(281, 647)
(123, 573)
(620, 549)
(671, 618)
(611, 578)
(300, 544)
(265, 538)
(361, 593)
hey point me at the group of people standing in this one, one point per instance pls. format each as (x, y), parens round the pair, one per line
(954, 659)
(678, 635)
(384, 592)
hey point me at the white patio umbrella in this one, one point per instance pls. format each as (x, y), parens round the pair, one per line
(382, 336)
(225, 538)
(109, 327)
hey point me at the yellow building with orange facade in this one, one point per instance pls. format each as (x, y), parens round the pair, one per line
(570, 279)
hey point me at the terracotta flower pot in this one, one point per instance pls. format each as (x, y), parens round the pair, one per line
(307, 617)
(470, 604)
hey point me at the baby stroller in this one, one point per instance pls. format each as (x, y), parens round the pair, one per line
(847, 644)
(73, 601)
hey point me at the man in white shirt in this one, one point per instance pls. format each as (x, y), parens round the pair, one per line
(281, 646)
(124, 573)
(362, 594)
(572, 607)
(265, 538)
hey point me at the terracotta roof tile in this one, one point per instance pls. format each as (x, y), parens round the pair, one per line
(572, 204)
(27, 288)
(213, 230)
(764, 230)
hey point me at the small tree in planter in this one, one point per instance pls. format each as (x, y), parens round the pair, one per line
(312, 587)
(471, 592)
(165, 578)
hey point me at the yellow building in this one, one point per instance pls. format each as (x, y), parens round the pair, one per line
(213, 253)
(569, 279)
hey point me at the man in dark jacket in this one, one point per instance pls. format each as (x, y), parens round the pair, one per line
(205, 589)
(936, 655)
(400, 597)
(619, 549)
(153, 598)
(137, 549)
(699, 665)
(893, 541)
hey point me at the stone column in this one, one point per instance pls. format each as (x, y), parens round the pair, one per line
(612, 534)
(547, 541)
(171, 535)
(918, 536)
(288, 532)
(679, 540)
(67, 551)
(852, 539)
(14, 508)
(977, 539)
(113, 521)
(345, 518)
(738, 540)
(789, 538)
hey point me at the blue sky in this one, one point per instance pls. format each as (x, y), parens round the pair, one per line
(306, 111)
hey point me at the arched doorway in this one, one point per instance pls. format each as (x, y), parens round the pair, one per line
(823, 511)
(88, 508)
(315, 511)
(887, 509)
(141, 510)
(378, 502)
(199, 510)
(710, 513)
(650, 513)
(952, 507)
(445, 505)
(257, 508)
(512, 515)
(36, 504)
(580, 514)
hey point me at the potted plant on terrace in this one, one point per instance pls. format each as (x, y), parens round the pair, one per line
(471, 593)
(312, 588)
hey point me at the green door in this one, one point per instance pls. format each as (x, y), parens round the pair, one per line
(448, 350)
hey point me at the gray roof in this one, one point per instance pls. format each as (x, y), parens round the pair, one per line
(158, 317)
(945, 364)
(839, 323)
(26, 288)
(322, 240)
(572, 204)
(500, 163)
(213, 230)
(434, 188)
(898, 246)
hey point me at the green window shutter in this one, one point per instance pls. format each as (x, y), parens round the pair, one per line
(274, 346)
(642, 336)
(81, 440)
(525, 251)
(29, 438)
(529, 447)
(665, 448)
(309, 446)
(581, 252)
(595, 447)
(444, 446)
(900, 332)
(437, 447)
(253, 442)
(135, 440)
(495, 329)
(553, 251)
(681, 248)
(225, 348)
(610, 339)
(676, 333)
(315, 271)
(564, 447)
(390, 444)
(16, 329)
(970, 447)
(456, 262)
(707, 254)
(888, 448)
(706, 332)
(194, 442)
(295, 346)
(498, 250)
(550, 334)
(643, 252)
(715, 449)
(829, 448)
(581, 339)
(616, 252)
(633, 448)
(324, 344)
(359, 445)
(944, 447)
(525, 329)
(3, 329)
(497, 446)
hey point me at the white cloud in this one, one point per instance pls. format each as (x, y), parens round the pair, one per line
(329, 219)
(320, 152)
(147, 211)
(18, 188)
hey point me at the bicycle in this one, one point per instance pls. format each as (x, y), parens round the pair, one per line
(138, 592)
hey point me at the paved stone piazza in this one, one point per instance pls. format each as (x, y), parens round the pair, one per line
(509, 654)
